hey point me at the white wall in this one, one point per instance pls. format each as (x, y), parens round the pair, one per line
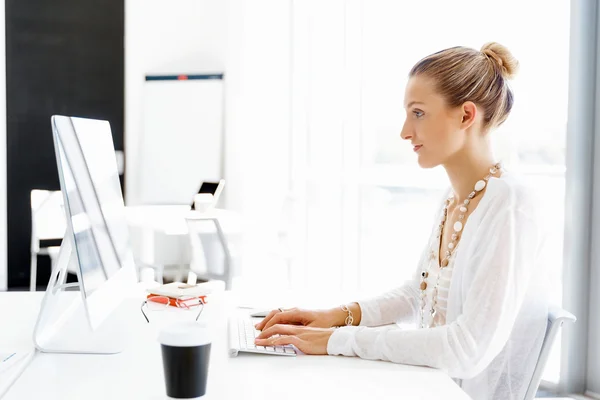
(3, 194)
(258, 127)
(257, 93)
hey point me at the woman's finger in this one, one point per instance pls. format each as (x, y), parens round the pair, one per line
(307, 340)
(280, 341)
(288, 317)
(260, 326)
(279, 330)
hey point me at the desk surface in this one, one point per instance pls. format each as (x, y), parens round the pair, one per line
(136, 373)
(170, 219)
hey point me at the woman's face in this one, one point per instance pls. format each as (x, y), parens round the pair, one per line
(435, 130)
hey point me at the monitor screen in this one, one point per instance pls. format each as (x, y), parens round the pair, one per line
(93, 199)
(208, 187)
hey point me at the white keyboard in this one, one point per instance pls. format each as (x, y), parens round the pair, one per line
(241, 339)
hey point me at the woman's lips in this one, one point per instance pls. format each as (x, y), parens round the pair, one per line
(417, 147)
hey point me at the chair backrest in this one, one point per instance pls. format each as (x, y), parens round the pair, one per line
(205, 261)
(47, 216)
(198, 262)
(556, 318)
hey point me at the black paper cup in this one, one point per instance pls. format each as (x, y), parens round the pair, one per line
(186, 355)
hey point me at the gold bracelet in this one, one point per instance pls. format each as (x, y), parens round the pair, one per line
(350, 318)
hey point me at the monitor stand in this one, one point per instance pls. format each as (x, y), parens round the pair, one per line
(63, 324)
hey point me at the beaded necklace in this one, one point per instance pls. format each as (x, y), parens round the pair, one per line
(457, 227)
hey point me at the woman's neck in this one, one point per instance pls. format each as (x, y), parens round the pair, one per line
(466, 168)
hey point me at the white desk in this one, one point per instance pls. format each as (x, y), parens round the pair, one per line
(170, 219)
(159, 234)
(136, 373)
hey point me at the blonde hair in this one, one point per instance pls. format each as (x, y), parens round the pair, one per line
(464, 74)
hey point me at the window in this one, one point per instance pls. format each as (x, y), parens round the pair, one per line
(365, 206)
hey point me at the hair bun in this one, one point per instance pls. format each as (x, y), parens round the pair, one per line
(501, 56)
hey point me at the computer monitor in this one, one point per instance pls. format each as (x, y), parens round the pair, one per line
(96, 243)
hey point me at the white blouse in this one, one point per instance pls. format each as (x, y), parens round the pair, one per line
(496, 312)
(443, 288)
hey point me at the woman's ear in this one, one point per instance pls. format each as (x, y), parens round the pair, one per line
(469, 114)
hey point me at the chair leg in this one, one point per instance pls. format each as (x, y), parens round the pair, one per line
(33, 273)
(160, 272)
(180, 273)
(227, 260)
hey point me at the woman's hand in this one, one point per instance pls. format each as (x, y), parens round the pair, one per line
(296, 316)
(308, 340)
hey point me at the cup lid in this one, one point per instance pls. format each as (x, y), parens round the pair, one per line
(185, 334)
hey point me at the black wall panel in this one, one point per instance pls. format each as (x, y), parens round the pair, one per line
(62, 57)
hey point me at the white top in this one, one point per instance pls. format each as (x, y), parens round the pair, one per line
(496, 311)
(443, 288)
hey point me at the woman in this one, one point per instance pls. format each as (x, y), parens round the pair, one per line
(478, 296)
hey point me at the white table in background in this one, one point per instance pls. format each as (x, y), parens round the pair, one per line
(159, 233)
(136, 373)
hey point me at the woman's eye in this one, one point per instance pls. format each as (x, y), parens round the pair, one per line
(418, 114)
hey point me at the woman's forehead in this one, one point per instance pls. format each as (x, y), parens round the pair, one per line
(420, 89)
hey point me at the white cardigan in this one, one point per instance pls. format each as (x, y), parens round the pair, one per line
(497, 303)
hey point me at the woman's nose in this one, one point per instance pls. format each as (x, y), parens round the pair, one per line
(405, 133)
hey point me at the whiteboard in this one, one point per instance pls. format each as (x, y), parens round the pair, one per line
(181, 143)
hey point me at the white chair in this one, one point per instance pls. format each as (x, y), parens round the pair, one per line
(47, 223)
(556, 317)
(204, 267)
